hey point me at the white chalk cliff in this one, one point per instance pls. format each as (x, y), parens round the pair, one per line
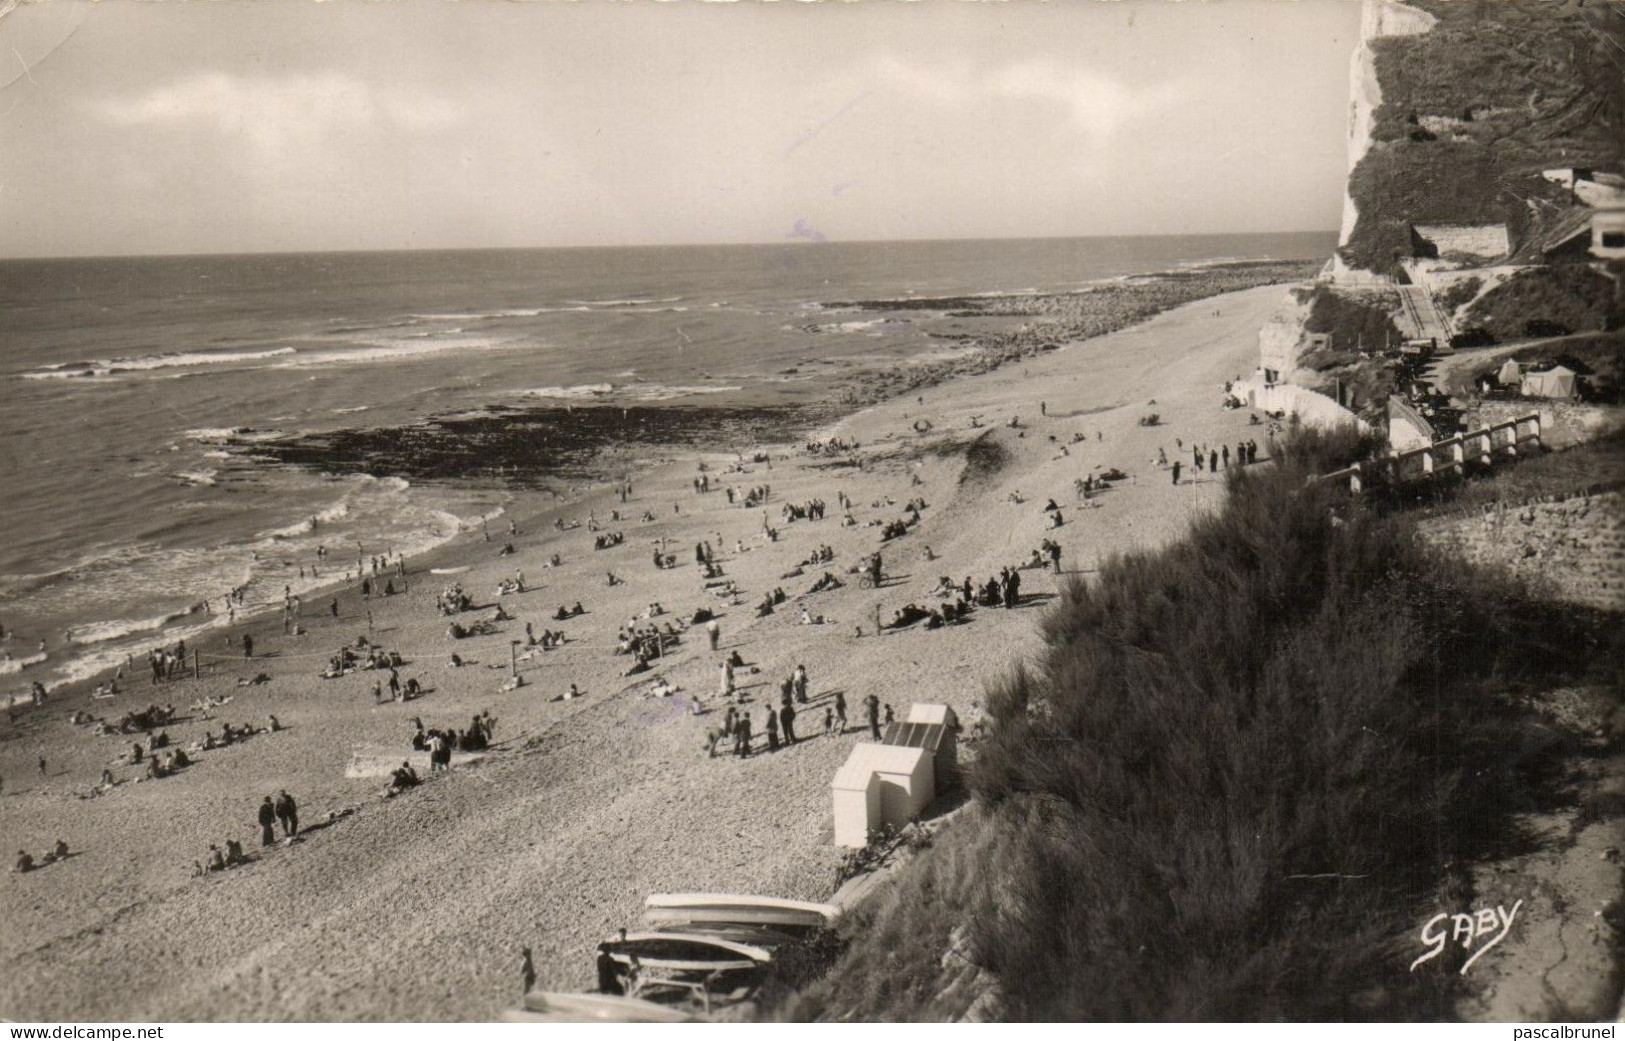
(1378, 18)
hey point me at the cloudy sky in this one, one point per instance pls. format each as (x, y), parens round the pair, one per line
(237, 126)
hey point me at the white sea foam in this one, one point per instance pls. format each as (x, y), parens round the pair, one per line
(199, 478)
(118, 628)
(661, 393)
(394, 350)
(581, 390)
(151, 362)
(11, 666)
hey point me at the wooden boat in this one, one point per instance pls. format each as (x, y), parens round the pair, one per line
(737, 909)
(558, 1007)
(685, 952)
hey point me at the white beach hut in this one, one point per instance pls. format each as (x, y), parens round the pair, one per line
(879, 785)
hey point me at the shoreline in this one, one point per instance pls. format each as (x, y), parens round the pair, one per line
(588, 804)
(435, 450)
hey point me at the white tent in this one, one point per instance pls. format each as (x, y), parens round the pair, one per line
(878, 785)
(1553, 383)
(1511, 372)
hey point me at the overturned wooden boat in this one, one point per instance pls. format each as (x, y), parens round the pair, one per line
(737, 909)
(545, 1006)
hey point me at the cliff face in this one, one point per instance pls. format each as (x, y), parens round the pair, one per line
(1458, 105)
(1378, 19)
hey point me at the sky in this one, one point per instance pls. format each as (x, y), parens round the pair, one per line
(131, 127)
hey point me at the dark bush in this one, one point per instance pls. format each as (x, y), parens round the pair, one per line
(1236, 781)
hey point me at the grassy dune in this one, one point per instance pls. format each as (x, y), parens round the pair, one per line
(1242, 773)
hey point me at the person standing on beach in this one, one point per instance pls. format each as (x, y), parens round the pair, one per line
(713, 632)
(742, 734)
(1213, 462)
(840, 709)
(1226, 454)
(1176, 467)
(267, 822)
(772, 731)
(527, 968)
(287, 811)
(248, 646)
(787, 723)
(799, 680)
(1055, 556)
(334, 607)
(872, 704)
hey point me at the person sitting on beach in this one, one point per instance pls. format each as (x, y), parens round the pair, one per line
(25, 861)
(234, 853)
(217, 860)
(59, 852)
(402, 778)
(180, 759)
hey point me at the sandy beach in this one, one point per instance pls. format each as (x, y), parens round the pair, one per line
(416, 907)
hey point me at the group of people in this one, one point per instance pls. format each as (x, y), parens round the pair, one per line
(26, 862)
(441, 743)
(165, 663)
(831, 446)
(1003, 591)
(284, 811)
(453, 600)
(608, 539)
(812, 509)
(951, 613)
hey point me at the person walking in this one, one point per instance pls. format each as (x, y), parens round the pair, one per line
(287, 811)
(787, 723)
(772, 732)
(840, 709)
(267, 822)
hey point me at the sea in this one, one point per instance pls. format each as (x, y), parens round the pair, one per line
(127, 519)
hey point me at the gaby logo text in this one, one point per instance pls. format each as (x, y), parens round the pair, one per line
(1466, 929)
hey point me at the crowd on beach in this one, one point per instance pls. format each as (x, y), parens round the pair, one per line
(660, 639)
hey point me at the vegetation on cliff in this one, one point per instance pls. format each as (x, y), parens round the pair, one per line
(1236, 782)
(1570, 296)
(1473, 110)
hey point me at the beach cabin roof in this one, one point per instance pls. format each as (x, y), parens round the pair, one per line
(867, 760)
(929, 736)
